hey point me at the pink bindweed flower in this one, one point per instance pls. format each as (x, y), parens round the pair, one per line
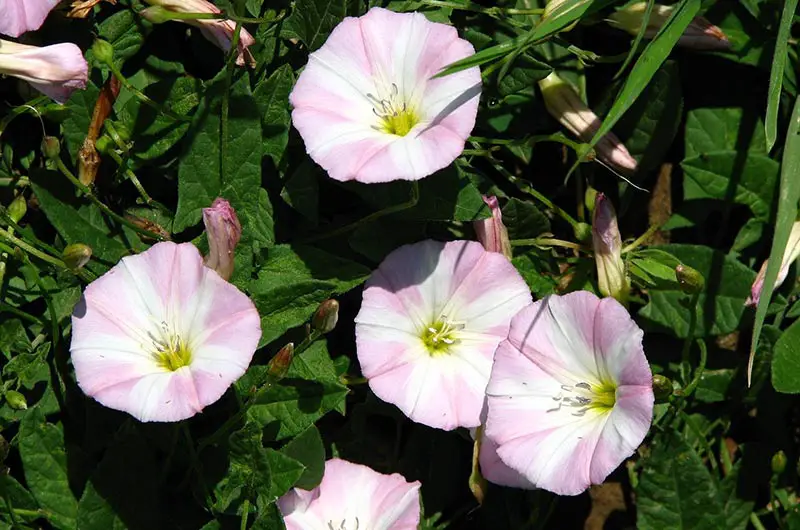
(431, 317)
(607, 242)
(19, 16)
(564, 104)
(570, 396)
(218, 31)
(353, 496)
(700, 34)
(224, 231)
(491, 232)
(368, 108)
(790, 255)
(160, 336)
(56, 71)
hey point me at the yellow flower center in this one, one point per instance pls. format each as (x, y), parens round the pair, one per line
(396, 117)
(582, 397)
(441, 335)
(170, 351)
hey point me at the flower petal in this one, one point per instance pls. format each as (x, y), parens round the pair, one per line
(19, 16)
(618, 342)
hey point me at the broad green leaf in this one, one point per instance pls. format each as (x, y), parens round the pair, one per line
(307, 447)
(314, 364)
(312, 21)
(301, 191)
(776, 74)
(787, 214)
(676, 491)
(709, 130)
(272, 98)
(523, 74)
(80, 106)
(721, 304)
(285, 471)
(249, 471)
(786, 361)
(13, 338)
(44, 461)
(125, 31)
(648, 64)
(18, 498)
(524, 220)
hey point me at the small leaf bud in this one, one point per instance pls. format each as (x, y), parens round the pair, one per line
(16, 400)
(662, 388)
(51, 147)
(279, 365)
(77, 255)
(778, 462)
(689, 279)
(17, 208)
(103, 51)
(326, 316)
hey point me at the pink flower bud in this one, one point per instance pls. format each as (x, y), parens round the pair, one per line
(564, 104)
(55, 70)
(492, 232)
(218, 31)
(326, 316)
(224, 231)
(611, 277)
(790, 255)
(19, 16)
(700, 34)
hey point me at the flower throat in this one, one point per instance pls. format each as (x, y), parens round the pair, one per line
(395, 115)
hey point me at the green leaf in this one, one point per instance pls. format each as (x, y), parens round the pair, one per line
(314, 364)
(13, 338)
(648, 64)
(293, 281)
(285, 471)
(44, 461)
(313, 20)
(301, 191)
(524, 220)
(786, 361)
(272, 98)
(80, 106)
(776, 74)
(786, 216)
(723, 129)
(523, 74)
(307, 447)
(19, 499)
(721, 304)
(676, 491)
(124, 31)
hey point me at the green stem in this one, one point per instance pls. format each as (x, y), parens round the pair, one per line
(108, 211)
(687, 343)
(172, 15)
(194, 456)
(22, 314)
(698, 373)
(31, 250)
(641, 239)
(136, 184)
(141, 96)
(756, 522)
(351, 380)
(371, 217)
(701, 438)
(245, 514)
(547, 242)
(33, 240)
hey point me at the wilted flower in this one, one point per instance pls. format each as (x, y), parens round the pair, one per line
(218, 31)
(56, 70)
(570, 396)
(224, 231)
(81, 8)
(607, 242)
(491, 232)
(431, 317)
(366, 104)
(19, 16)
(790, 255)
(700, 34)
(353, 496)
(161, 336)
(564, 104)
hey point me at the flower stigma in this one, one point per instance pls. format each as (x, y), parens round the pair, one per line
(170, 350)
(584, 397)
(395, 115)
(342, 525)
(439, 336)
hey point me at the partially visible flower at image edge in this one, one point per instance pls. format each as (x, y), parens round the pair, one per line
(161, 336)
(56, 70)
(19, 16)
(218, 31)
(570, 396)
(367, 105)
(790, 255)
(353, 496)
(431, 317)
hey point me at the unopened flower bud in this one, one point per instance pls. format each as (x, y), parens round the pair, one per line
(279, 365)
(16, 400)
(103, 51)
(700, 34)
(564, 104)
(17, 208)
(778, 462)
(51, 147)
(790, 255)
(224, 231)
(156, 14)
(689, 279)
(662, 388)
(77, 255)
(607, 242)
(326, 316)
(491, 232)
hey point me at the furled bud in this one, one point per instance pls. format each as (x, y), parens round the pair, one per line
(51, 147)
(778, 463)
(689, 279)
(611, 277)
(56, 70)
(326, 316)
(279, 365)
(700, 34)
(16, 400)
(17, 208)
(553, 5)
(224, 231)
(662, 388)
(564, 104)
(492, 232)
(76, 255)
(217, 30)
(103, 51)
(790, 255)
